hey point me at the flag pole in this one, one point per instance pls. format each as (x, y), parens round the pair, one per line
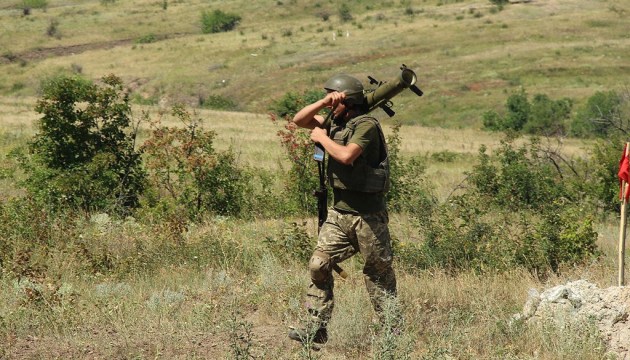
(622, 226)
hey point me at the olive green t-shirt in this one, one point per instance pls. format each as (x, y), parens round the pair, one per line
(365, 135)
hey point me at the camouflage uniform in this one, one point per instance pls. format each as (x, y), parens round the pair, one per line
(342, 236)
(357, 222)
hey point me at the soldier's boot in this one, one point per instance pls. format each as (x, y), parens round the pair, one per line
(315, 337)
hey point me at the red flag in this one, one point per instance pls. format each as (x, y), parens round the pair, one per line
(624, 174)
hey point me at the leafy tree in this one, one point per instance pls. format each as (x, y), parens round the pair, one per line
(344, 13)
(84, 154)
(548, 116)
(515, 212)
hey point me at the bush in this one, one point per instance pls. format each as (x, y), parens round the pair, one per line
(217, 102)
(293, 242)
(542, 116)
(408, 190)
(303, 177)
(548, 116)
(292, 102)
(34, 4)
(83, 155)
(515, 213)
(187, 171)
(218, 21)
(602, 114)
(344, 13)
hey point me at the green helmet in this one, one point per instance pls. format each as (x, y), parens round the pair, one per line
(351, 86)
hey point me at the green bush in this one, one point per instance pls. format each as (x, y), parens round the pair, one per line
(187, 171)
(292, 102)
(218, 21)
(517, 178)
(541, 116)
(602, 114)
(548, 116)
(34, 4)
(146, 39)
(83, 155)
(344, 13)
(303, 177)
(293, 242)
(515, 213)
(217, 102)
(408, 191)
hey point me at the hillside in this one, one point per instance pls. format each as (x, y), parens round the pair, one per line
(468, 54)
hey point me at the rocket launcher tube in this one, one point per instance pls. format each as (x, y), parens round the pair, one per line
(380, 96)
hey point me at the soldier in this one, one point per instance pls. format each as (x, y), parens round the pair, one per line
(358, 172)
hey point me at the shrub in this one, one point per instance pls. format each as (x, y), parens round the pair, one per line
(548, 116)
(408, 190)
(516, 212)
(218, 21)
(84, 155)
(344, 13)
(34, 4)
(187, 171)
(147, 39)
(217, 102)
(541, 116)
(302, 178)
(292, 102)
(293, 242)
(601, 115)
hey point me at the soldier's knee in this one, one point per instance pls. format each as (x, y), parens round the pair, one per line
(320, 267)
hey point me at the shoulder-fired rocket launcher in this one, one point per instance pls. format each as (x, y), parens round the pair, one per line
(381, 96)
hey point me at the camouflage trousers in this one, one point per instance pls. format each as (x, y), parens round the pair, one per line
(342, 236)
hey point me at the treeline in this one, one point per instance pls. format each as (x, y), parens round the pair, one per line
(524, 206)
(604, 114)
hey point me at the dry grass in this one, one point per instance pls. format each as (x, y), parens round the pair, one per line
(467, 57)
(194, 310)
(466, 63)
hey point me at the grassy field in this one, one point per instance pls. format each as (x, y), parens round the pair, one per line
(467, 54)
(216, 290)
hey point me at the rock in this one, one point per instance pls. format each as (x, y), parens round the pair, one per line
(581, 301)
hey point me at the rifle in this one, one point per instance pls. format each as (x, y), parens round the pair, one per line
(322, 192)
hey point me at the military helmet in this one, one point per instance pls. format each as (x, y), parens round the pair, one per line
(350, 85)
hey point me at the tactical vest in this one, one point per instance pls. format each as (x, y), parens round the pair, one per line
(360, 176)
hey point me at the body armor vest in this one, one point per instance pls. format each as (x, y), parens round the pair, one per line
(360, 176)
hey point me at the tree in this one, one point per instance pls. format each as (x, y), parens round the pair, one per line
(84, 154)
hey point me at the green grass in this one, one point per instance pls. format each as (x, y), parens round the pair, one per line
(538, 46)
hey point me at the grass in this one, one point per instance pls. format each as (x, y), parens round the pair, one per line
(189, 309)
(217, 290)
(537, 46)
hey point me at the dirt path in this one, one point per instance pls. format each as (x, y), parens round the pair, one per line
(38, 54)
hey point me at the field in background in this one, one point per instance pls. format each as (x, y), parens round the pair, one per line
(468, 55)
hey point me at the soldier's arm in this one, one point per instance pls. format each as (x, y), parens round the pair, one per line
(308, 117)
(345, 154)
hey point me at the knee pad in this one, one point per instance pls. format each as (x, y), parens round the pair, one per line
(319, 267)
